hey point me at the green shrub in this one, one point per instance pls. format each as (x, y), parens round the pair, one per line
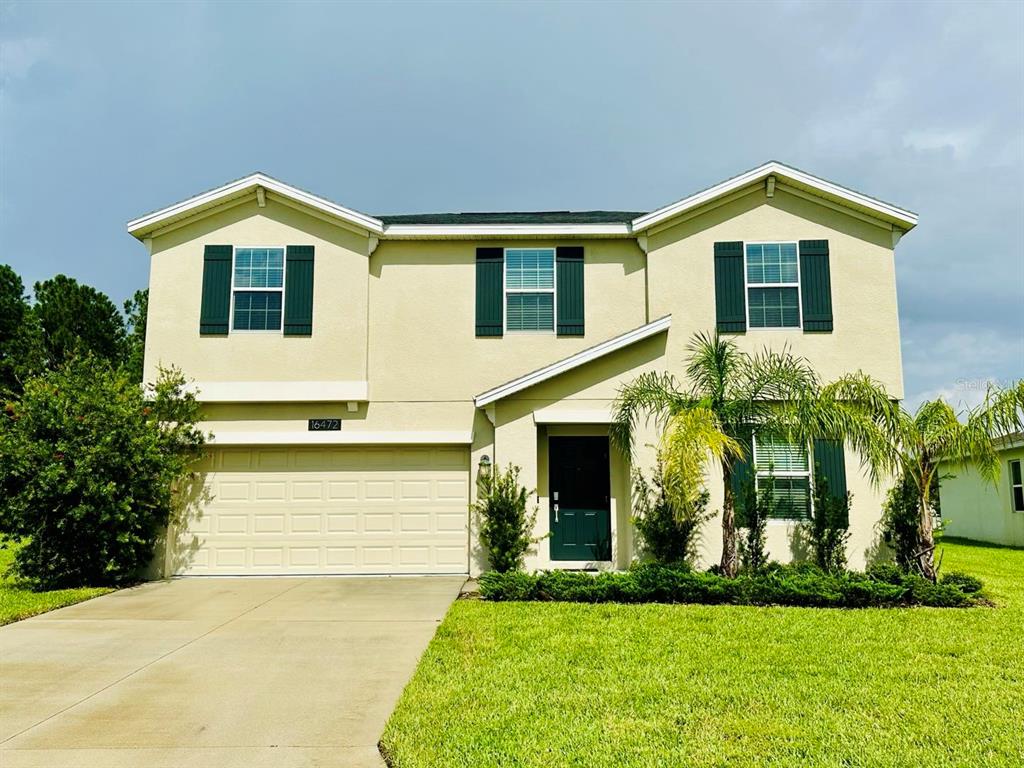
(669, 531)
(900, 517)
(753, 522)
(792, 585)
(827, 528)
(89, 469)
(964, 582)
(506, 527)
(890, 573)
(510, 585)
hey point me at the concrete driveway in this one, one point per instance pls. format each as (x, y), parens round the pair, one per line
(216, 672)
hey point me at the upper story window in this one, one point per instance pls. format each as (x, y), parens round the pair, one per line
(788, 465)
(773, 285)
(257, 289)
(530, 289)
(1016, 486)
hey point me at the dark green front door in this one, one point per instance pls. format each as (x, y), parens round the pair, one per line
(579, 501)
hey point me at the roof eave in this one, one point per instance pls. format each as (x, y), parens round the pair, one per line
(898, 217)
(144, 226)
(573, 361)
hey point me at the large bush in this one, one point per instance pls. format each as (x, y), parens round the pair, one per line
(506, 523)
(668, 528)
(89, 466)
(792, 585)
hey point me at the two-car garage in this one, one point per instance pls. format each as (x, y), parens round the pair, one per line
(327, 510)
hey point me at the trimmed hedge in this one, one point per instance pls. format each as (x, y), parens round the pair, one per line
(792, 585)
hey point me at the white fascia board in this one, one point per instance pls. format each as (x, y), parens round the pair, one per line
(556, 415)
(151, 221)
(573, 361)
(342, 437)
(428, 231)
(904, 218)
(279, 391)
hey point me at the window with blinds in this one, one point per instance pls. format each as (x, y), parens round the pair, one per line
(786, 467)
(773, 285)
(530, 289)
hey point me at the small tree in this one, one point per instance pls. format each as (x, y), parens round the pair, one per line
(936, 434)
(758, 506)
(506, 525)
(901, 514)
(668, 524)
(88, 471)
(827, 527)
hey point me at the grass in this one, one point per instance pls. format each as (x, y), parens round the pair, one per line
(560, 684)
(18, 602)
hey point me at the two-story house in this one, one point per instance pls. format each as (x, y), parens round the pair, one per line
(358, 372)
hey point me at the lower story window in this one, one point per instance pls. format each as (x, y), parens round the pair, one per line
(785, 466)
(1016, 486)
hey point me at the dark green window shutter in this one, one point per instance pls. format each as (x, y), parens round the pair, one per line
(742, 473)
(298, 291)
(730, 302)
(569, 297)
(216, 307)
(815, 285)
(490, 312)
(830, 463)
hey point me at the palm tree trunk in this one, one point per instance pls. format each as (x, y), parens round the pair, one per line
(925, 554)
(730, 563)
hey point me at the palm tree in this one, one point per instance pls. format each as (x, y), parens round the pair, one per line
(937, 434)
(731, 391)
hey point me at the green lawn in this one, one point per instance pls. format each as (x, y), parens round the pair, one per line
(557, 684)
(19, 603)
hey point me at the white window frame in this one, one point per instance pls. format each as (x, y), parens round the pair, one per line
(808, 473)
(1014, 486)
(505, 290)
(284, 277)
(748, 285)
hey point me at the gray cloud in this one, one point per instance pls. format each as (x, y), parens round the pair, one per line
(118, 109)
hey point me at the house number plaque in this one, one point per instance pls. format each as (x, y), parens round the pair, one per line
(324, 425)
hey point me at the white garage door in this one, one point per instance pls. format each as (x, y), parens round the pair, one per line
(329, 510)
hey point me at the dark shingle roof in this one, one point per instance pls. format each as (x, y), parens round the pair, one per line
(518, 217)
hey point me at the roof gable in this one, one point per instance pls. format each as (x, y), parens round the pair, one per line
(144, 226)
(573, 361)
(784, 174)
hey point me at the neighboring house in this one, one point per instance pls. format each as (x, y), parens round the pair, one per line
(975, 508)
(358, 372)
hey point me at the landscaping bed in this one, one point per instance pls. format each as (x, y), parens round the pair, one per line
(793, 585)
(536, 684)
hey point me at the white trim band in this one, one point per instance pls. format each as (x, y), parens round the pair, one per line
(342, 437)
(279, 391)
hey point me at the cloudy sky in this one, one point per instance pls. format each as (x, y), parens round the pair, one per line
(111, 110)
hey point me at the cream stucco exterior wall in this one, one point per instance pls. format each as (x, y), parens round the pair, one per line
(974, 508)
(399, 315)
(863, 276)
(336, 351)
